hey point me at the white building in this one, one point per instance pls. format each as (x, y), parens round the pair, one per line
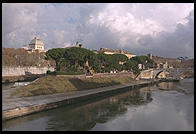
(36, 45)
(78, 44)
(110, 51)
(141, 66)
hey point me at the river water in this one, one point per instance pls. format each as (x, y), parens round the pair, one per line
(165, 106)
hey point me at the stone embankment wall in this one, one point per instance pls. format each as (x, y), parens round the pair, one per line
(131, 74)
(99, 75)
(17, 71)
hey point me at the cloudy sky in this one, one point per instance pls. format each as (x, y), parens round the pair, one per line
(163, 29)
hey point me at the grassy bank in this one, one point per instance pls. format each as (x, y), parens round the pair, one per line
(62, 84)
(21, 78)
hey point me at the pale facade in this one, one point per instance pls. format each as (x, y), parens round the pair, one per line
(78, 44)
(130, 55)
(110, 51)
(162, 65)
(150, 56)
(141, 66)
(36, 45)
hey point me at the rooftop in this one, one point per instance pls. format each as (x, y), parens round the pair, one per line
(115, 51)
(36, 41)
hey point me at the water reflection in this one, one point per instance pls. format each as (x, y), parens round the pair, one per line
(166, 85)
(86, 117)
(184, 87)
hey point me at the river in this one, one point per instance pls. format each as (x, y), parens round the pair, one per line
(166, 106)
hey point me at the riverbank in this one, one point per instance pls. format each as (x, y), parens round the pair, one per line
(147, 104)
(21, 78)
(62, 84)
(54, 91)
(27, 105)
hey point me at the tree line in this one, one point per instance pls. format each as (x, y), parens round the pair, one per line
(82, 60)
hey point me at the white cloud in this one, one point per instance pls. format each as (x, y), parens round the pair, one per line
(167, 14)
(117, 19)
(133, 26)
(20, 20)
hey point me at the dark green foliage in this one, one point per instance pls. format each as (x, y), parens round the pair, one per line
(145, 60)
(75, 59)
(57, 55)
(142, 59)
(132, 65)
(120, 57)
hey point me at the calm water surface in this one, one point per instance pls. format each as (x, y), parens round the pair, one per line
(165, 106)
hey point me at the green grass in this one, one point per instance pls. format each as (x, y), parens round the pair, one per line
(60, 84)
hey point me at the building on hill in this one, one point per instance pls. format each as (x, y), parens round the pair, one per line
(78, 45)
(163, 65)
(36, 45)
(141, 66)
(110, 51)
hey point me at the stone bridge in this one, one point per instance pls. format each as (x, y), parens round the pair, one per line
(154, 73)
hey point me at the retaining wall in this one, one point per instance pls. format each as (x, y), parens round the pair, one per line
(16, 71)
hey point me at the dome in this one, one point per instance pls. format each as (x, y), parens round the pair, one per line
(36, 41)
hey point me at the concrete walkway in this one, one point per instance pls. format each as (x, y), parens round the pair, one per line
(14, 107)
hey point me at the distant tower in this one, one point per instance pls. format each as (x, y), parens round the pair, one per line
(150, 56)
(165, 64)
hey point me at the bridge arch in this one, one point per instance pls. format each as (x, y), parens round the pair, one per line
(158, 73)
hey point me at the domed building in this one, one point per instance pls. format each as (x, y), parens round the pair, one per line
(36, 45)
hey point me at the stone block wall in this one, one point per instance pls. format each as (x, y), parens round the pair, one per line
(17, 71)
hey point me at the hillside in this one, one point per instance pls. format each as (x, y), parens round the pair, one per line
(20, 57)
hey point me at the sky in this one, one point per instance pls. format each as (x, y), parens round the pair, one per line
(163, 29)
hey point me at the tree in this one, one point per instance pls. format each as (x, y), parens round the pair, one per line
(145, 60)
(131, 65)
(57, 55)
